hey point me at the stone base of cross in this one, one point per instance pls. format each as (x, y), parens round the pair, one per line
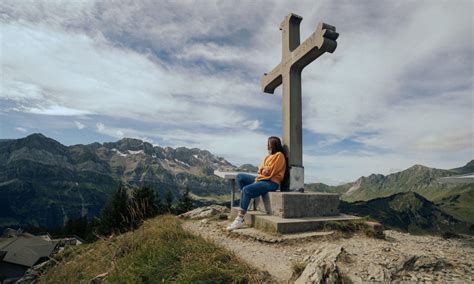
(296, 182)
(295, 57)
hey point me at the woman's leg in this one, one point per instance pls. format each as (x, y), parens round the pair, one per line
(248, 192)
(244, 179)
(254, 190)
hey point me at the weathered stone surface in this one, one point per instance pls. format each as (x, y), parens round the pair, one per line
(417, 263)
(298, 205)
(376, 273)
(276, 224)
(296, 179)
(323, 269)
(205, 212)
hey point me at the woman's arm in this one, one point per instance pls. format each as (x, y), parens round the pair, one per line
(266, 171)
(277, 167)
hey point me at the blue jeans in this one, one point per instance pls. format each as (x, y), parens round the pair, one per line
(249, 188)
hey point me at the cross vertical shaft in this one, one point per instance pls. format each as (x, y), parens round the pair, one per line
(292, 133)
(295, 57)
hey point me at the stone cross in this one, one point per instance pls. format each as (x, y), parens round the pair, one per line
(295, 57)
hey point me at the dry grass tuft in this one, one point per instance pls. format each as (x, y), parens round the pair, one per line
(158, 251)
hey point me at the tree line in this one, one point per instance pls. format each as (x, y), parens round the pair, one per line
(125, 210)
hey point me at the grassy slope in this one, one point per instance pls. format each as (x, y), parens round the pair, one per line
(408, 211)
(160, 250)
(454, 199)
(457, 202)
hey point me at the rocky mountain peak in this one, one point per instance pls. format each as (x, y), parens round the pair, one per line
(131, 144)
(467, 169)
(417, 167)
(372, 178)
(36, 141)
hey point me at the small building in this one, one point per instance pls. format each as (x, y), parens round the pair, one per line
(20, 251)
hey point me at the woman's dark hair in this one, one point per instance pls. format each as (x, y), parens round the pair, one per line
(275, 144)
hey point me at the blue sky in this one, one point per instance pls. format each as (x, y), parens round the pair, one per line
(397, 91)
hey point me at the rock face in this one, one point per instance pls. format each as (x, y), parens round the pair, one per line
(323, 267)
(44, 183)
(205, 212)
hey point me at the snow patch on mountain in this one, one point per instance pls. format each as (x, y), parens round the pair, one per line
(119, 153)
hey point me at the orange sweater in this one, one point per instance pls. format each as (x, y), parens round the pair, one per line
(276, 165)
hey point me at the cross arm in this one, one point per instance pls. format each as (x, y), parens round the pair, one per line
(270, 81)
(321, 41)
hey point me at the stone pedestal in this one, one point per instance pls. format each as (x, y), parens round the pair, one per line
(275, 224)
(294, 212)
(298, 205)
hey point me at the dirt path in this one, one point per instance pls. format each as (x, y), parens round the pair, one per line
(400, 257)
(264, 256)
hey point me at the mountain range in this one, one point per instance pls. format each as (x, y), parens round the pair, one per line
(44, 183)
(408, 212)
(456, 199)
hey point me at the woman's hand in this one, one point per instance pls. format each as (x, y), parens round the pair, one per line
(266, 172)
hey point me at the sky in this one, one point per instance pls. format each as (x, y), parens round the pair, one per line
(397, 91)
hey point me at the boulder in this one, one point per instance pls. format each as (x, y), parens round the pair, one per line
(205, 212)
(377, 273)
(323, 268)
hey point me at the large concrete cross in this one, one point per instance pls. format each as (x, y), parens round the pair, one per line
(295, 57)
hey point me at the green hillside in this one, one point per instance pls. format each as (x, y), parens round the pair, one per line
(417, 178)
(160, 251)
(409, 212)
(454, 199)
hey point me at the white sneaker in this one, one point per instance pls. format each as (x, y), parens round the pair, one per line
(238, 223)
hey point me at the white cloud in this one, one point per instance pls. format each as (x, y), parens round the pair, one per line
(100, 126)
(132, 87)
(392, 89)
(122, 132)
(17, 90)
(344, 166)
(55, 110)
(238, 147)
(253, 124)
(79, 125)
(21, 129)
(400, 80)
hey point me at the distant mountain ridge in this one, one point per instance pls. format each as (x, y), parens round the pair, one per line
(454, 199)
(409, 212)
(44, 183)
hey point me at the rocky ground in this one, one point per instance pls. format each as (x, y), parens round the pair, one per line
(310, 258)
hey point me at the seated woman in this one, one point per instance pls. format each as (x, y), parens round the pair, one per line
(270, 174)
